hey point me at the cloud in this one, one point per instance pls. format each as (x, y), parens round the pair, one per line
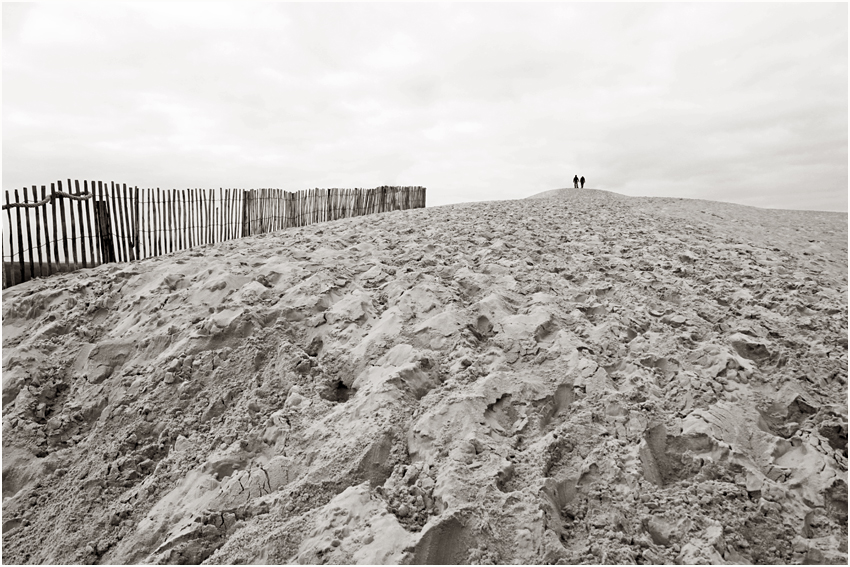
(476, 101)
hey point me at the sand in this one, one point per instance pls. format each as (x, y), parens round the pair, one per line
(580, 377)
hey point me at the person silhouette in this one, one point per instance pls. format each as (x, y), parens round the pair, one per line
(582, 181)
(575, 182)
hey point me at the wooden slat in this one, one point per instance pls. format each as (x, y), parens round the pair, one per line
(107, 242)
(46, 231)
(234, 213)
(162, 220)
(184, 220)
(115, 222)
(152, 225)
(110, 218)
(271, 209)
(175, 220)
(126, 224)
(29, 234)
(141, 223)
(178, 223)
(207, 216)
(115, 228)
(279, 209)
(83, 256)
(136, 222)
(246, 197)
(156, 218)
(249, 208)
(252, 215)
(264, 211)
(98, 232)
(99, 224)
(246, 214)
(184, 206)
(166, 221)
(129, 210)
(146, 214)
(199, 216)
(202, 217)
(222, 213)
(167, 195)
(38, 233)
(178, 220)
(169, 219)
(151, 206)
(235, 220)
(20, 238)
(228, 218)
(274, 200)
(230, 206)
(202, 209)
(59, 203)
(203, 234)
(255, 212)
(172, 220)
(190, 206)
(73, 222)
(95, 256)
(213, 216)
(163, 230)
(109, 224)
(291, 213)
(267, 215)
(10, 278)
(226, 214)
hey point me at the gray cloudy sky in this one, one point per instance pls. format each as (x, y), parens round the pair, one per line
(745, 103)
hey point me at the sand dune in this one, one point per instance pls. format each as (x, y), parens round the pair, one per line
(578, 377)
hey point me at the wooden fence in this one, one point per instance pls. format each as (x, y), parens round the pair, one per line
(66, 229)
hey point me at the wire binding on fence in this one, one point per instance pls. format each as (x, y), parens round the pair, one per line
(75, 196)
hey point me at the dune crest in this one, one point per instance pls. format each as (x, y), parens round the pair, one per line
(581, 377)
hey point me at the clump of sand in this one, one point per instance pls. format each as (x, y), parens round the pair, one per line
(581, 377)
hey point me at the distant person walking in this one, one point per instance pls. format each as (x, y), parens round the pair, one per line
(575, 182)
(582, 181)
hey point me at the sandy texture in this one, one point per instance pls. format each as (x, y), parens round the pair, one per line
(581, 377)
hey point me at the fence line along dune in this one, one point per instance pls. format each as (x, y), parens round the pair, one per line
(100, 223)
(580, 378)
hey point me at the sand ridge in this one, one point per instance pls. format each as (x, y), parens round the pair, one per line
(583, 377)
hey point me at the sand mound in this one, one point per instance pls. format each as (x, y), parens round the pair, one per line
(580, 378)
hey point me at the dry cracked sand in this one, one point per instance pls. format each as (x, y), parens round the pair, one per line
(580, 377)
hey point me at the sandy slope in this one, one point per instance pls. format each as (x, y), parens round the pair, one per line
(581, 377)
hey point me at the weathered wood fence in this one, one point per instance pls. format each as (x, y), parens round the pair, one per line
(66, 229)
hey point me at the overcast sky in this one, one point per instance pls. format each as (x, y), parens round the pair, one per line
(744, 103)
